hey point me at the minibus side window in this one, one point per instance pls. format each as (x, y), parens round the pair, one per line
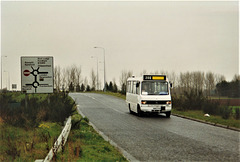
(134, 87)
(138, 88)
(129, 87)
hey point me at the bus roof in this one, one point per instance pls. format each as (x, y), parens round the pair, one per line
(148, 78)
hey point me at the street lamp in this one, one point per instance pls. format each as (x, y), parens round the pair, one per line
(97, 69)
(1, 69)
(104, 67)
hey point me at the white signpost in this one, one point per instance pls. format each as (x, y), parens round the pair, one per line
(37, 74)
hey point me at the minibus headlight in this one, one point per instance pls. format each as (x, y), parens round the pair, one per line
(169, 102)
(144, 102)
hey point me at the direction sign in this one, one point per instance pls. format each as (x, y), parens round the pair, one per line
(37, 74)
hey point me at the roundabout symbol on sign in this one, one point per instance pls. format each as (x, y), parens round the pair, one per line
(34, 72)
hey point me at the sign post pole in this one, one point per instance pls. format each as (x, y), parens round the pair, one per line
(26, 100)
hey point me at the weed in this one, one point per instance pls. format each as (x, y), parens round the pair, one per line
(225, 112)
(237, 113)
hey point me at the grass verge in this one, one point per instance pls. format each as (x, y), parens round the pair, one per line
(198, 114)
(119, 95)
(28, 142)
(85, 144)
(19, 144)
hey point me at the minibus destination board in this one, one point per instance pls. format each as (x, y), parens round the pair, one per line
(154, 77)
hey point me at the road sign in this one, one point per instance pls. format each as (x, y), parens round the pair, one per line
(26, 72)
(37, 74)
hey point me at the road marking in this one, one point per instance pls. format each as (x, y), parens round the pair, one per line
(109, 106)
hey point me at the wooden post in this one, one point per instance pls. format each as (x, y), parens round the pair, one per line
(48, 98)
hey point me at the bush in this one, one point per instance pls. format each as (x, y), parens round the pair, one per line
(56, 108)
(197, 101)
(211, 107)
(76, 120)
(189, 101)
(225, 112)
(60, 107)
(177, 103)
(237, 113)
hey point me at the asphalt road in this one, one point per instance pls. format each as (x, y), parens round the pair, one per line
(153, 138)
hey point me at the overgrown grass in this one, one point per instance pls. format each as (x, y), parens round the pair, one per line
(198, 114)
(85, 144)
(40, 107)
(19, 96)
(19, 144)
(221, 98)
(28, 132)
(31, 131)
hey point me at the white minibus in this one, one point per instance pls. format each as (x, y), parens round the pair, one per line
(149, 94)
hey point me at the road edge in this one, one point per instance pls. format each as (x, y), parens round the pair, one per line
(209, 123)
(128, 156)
(197, 120)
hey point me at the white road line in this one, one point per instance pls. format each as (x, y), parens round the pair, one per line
(104, 104)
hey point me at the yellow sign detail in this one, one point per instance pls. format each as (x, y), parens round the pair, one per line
(158, 77)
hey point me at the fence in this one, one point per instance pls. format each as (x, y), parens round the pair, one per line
(58, 145)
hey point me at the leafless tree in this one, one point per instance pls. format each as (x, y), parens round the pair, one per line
(219, 78)
(85, 82)
(164, 72)
(73, 78)
(78, 75)
(57, 78)
(209, 83)
(236, 77)
(93, 79)
(191, 81)
(172, 77)
(123, 78)
(143, 72)
(156, 72)
(198, 81)
(64, 78)
(184, 80)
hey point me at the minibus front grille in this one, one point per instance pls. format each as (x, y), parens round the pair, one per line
(155, 102)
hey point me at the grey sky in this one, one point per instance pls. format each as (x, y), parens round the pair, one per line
(170, 36)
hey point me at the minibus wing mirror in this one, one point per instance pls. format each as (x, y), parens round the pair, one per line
(137, 85)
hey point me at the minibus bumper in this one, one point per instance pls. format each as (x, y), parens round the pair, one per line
(156, 108)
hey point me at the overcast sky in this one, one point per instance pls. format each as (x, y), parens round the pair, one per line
(136, 36)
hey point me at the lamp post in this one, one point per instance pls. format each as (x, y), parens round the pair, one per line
(97, 69)
(104, 67)
(1, 69)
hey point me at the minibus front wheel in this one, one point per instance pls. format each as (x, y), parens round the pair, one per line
(139, 111)
(168, 114)
(130, 111)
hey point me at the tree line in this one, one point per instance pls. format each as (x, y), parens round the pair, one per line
(229, 89)
(195, 82)
(191, 90)
(71, 79)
